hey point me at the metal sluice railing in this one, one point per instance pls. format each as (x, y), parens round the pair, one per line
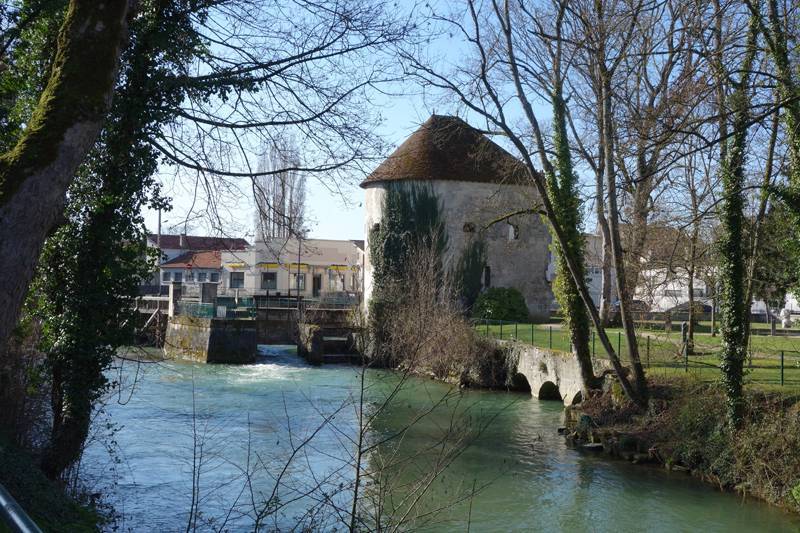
(14, 516)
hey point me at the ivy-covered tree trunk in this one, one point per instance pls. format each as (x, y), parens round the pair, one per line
(36, 173)
(91, 268)
(732, 297)
(562, 189)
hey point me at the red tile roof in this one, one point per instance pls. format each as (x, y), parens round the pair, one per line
(209, 259)
(195, 242)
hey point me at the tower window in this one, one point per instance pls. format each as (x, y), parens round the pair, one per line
(513, 232)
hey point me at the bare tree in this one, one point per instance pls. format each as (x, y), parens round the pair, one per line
(494, 86)
(280, 198)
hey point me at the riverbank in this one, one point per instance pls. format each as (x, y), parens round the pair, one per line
(45, 502)
(685, 430)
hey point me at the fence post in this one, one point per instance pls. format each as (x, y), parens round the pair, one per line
(516, 335)
(501, 330)
(781, 368)
(592, 343)
(619, 344)
(532, 330)
(487, 327)
(648, 351)
(686, 357)
(550, 341)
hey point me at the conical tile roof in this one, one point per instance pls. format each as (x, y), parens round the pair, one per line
(447, 148)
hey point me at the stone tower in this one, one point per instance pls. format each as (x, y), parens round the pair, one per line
(484, 191)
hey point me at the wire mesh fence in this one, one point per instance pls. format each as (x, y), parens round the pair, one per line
(771, 360)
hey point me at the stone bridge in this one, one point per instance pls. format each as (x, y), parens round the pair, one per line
(551, 375)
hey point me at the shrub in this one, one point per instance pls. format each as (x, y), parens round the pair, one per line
(501, 303)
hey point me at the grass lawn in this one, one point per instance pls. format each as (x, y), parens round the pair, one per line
(661, 351)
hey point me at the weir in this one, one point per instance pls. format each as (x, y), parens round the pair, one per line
(321, 335)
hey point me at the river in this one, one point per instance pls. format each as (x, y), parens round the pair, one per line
(177, 422)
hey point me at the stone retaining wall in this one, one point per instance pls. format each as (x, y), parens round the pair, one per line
(211, 340)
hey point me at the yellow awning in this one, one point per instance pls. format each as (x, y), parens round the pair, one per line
(268, 265)
(339, 268)
(294, 266)
(235, 265)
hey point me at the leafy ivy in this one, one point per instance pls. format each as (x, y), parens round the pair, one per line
(411, 216)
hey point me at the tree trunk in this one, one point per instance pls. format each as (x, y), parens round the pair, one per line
(71, 421)
(35, 174)
(640, 381)
(637, 239)
(733, 323)
(607, 259)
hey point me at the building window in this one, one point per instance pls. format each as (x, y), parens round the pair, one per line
(513, 232)
(202, 277)
(165, 277)
(269, 280)
(237, 280)
(698, 292)
(487, 276)
(302, 281)
(215, 277)
(177, 277)
(189, 277)
(673, 293)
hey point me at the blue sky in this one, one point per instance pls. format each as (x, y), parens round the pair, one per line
(329, 215)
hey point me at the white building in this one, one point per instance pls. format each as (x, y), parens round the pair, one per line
(192, 268)
(274, 268)
(480, 186)
(182, 256)
(662, 289)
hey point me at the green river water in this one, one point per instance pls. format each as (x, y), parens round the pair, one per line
(176, 422)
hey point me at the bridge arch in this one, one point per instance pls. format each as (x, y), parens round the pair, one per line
(576, 398)
(549, 391)
(520, 383)
(551, 374)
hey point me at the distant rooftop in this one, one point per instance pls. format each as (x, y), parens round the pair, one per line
(198, 243)
(447, 148)
(209, 259)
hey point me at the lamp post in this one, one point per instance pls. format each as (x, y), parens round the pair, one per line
(299, 247)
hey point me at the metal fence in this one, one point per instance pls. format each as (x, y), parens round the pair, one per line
(770, 360)
(206, 310)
